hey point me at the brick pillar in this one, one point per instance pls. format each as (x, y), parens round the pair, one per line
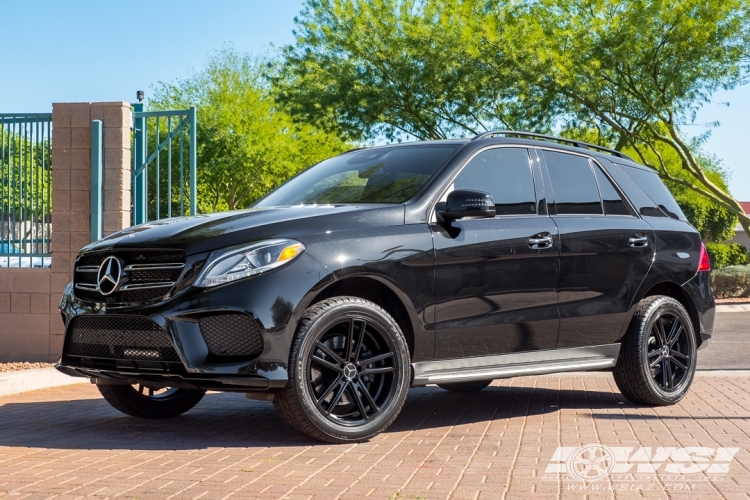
(71, 188)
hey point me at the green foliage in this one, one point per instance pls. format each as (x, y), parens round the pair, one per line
(727, 254)
(715, 222)
(26, 179)
(247, 143)
(394, 67)
(635, 71)
(732, 281)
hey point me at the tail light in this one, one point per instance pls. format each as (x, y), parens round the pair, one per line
(704, 263)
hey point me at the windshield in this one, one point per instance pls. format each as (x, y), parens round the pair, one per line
(380, 175)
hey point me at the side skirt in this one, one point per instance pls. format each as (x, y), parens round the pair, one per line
(516, 364)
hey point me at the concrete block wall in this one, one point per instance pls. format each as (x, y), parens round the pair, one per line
(30, 325)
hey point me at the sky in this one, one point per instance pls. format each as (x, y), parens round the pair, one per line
(87, 50)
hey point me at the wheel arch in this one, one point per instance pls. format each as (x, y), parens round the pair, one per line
(376, 291)
(669, 289)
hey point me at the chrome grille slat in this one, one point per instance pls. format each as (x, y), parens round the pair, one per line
(153, 267)
(87, 269)
(145, 286)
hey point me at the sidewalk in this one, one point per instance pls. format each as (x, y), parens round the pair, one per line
(509, 441)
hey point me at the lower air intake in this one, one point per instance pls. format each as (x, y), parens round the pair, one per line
(231, 335)
(119, 337)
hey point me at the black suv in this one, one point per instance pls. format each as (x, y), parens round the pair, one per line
(444, 262)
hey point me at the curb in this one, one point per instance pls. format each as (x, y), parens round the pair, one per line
(727, 308)
(32, 380)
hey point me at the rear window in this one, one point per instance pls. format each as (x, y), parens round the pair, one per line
(656, 190)
(378, 175)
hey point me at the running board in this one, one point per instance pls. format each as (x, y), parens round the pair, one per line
(514, 365)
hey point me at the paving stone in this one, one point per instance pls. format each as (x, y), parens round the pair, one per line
(495, 444)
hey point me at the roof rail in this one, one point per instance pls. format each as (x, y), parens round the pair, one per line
(578, 144)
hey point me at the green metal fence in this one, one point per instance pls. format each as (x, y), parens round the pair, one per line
(25, 189)
(164, 164)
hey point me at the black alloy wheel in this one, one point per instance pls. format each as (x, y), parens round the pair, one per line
(658, 354)
(143, 401)
(668, 352)
(472, 386)
(349, 372)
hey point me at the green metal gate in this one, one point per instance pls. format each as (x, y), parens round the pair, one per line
(161, 185)
(25, 189)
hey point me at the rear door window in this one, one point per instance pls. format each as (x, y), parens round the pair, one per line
(573, 184)
(505, 173)
(656, 190)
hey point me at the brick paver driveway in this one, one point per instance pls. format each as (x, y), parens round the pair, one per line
(500, 443)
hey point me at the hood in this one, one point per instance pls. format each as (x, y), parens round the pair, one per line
(203, 233)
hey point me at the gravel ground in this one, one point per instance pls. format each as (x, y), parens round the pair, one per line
(14, 367)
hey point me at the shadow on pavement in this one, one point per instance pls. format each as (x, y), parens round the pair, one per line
(232, 421)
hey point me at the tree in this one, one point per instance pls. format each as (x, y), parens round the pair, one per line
(639, 70)
(247, 143)
(401, 67)
(635, 70)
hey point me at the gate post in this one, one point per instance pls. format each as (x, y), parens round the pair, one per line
(96, 180)
(193, 161)
(140, 203)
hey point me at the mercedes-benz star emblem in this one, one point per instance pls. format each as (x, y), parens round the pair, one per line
(349, 371)
(109, 275)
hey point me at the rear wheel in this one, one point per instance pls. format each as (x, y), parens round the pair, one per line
(150, 402)
(349, 372)
(474, 386)
(658, 355)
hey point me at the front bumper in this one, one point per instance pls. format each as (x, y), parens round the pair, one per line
(275, 301)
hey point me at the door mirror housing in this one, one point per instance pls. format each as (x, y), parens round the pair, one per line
(466, 203)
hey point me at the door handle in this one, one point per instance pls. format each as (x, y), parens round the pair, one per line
(540, 241)
(638, 241)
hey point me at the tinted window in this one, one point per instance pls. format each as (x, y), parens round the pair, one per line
(656, 190)
(377, 175)
(505, 173)
(573, 184)
(613, 202)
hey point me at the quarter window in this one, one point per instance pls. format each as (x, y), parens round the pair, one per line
(505, 173)
(613, 202)
(573, 184)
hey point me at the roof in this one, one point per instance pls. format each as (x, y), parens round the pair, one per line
(745, 206)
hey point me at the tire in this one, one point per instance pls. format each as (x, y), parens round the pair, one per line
(134, 402)
(334, 394)
(473, 386)
(647, 372)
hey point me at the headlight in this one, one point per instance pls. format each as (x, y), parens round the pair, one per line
(225, 266)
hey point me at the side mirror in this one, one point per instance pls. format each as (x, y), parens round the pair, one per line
(466, 203)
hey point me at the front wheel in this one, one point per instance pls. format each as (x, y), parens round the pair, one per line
(349, 372)
(658, 355)
(150, 402)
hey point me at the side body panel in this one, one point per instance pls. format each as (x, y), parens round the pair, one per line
(399, 257)
(494, 294)
(600, 273)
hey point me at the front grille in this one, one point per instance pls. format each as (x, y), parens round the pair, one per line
(119, 337)
(148, 275)
(231, 335)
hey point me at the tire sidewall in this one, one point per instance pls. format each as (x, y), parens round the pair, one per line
(322, 324)
(671, 306)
